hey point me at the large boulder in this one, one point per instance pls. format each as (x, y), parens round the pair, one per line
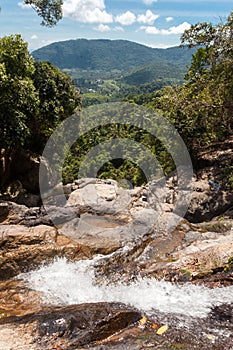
(111, 216)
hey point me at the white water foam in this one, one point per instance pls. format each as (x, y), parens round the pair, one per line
(66, 283)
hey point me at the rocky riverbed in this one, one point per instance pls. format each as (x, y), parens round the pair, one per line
(119, 268)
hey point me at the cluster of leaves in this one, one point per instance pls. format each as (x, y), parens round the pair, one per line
(58, 99)
(49, 10)
(34, 98)
(18, 97)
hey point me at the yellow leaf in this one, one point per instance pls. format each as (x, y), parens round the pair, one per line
(142, 321)
(210, 337)
(162, 329)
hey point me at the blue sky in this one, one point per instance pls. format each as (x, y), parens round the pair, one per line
(156, 23)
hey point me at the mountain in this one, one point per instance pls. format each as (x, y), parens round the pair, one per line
(154, 71)
(122, 55)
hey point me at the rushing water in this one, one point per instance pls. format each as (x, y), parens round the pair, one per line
(65, 283)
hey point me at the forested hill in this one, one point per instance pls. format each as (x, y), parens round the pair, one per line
(109, 54)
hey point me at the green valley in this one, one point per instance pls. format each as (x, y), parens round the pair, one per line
(112, 70)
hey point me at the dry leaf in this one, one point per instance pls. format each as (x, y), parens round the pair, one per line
(162, 329)
(142, 321)
(155, 326)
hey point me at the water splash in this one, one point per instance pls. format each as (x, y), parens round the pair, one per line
(65, 283)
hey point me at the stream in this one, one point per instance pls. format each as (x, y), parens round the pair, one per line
(67, 283)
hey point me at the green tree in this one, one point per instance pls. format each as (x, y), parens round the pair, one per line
(214, 60)
(58, 99)
(34, 98)
(49, 10)
(202, 109)
(18, 97)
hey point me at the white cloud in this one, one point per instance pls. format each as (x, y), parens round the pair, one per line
(34, 37)
(149, 2)
(151, 30)
(23, 6)
(172, 30)
(102, 28)
(119, 29)
(47, 42)
(87, 11)
(148, 18)
(178, 29)
(169, 19)
(126, 18)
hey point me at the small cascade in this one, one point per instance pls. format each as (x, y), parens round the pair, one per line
(66, 283)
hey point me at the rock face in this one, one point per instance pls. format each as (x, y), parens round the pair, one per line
(69, 327)
(23, 248)
(189, 253)
(107, 218)
(138, 235)
(12, 213)
(206, 203)
(110, 216)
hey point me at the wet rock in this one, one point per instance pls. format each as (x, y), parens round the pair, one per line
(184, 254)
(16, 299)
(13, 236)
(24, 248)
(223, 313)
(71, 327)
(208, 252)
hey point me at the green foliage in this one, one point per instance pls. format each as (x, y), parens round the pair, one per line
(58, 100)
(227, 176)
(18, 97)
(15, 57)
(118, 168)
(49, 10)
(229, 265)
(34, 98)
(202, 109)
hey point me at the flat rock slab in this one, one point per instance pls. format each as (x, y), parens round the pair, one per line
(69, 327)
